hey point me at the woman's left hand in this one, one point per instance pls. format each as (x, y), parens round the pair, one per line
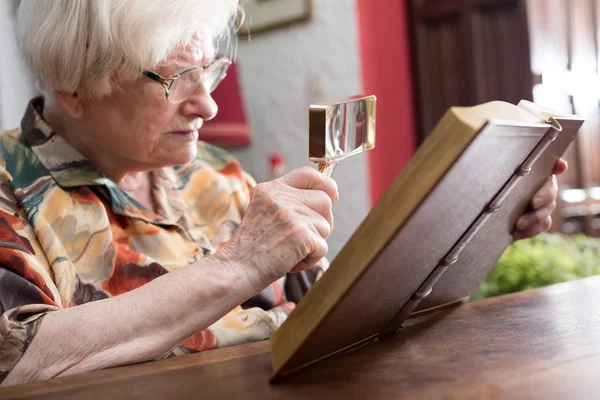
(543, 203)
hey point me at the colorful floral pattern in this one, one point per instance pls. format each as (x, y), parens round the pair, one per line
(69, 236)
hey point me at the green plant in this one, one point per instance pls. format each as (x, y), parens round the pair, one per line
(541, 261)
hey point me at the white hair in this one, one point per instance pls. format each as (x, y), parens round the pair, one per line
(88, 45)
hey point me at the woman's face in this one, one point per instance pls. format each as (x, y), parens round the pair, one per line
(139, 129)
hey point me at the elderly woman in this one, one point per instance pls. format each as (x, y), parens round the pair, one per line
(123, 238)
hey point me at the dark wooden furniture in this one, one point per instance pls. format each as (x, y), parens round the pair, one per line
(467, 52)
(539, 344)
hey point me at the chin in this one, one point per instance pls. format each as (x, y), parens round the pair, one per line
(183, 157)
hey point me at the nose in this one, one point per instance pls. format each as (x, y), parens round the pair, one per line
(200, 104)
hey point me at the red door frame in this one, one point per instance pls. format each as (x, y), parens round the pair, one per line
(386, 72)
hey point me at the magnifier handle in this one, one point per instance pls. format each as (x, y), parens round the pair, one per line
(327, 169)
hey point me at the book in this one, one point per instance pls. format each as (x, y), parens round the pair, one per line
(434, 235)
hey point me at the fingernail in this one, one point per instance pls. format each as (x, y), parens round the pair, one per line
(522, 224)
(337, 198)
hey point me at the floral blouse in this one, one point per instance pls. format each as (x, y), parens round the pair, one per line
(70, 236)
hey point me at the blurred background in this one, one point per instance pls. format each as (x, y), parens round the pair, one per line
(418, 57)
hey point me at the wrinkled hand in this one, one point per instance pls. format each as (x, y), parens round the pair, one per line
(543, 203)
(285, 226)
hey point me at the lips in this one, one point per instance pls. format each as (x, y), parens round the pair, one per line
(191, 135)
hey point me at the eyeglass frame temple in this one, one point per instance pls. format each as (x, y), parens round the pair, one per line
(166, 83)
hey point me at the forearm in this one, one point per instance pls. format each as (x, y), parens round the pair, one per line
(140, 325)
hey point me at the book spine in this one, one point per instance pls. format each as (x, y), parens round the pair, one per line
(454, 254)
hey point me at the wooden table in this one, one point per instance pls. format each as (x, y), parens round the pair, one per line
(540, 344)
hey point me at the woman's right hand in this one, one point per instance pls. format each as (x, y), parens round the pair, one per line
(285, 226)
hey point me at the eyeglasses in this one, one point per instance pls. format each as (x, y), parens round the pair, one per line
(182, 85)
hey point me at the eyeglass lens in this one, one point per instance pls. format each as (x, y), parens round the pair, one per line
(187, 82)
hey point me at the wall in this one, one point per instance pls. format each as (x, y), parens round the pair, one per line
(16, 87)
(284, 71)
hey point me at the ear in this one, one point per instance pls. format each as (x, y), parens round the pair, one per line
(70, 103)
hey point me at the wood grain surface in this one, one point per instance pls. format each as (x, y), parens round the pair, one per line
(538, 344)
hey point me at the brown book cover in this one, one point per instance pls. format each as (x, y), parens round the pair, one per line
(434, 235)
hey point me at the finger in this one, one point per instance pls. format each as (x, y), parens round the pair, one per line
(530, 220)
(546, 194)
(320, 250)
(535, 217)
(534, 230)
(317, 201)
(560, 167)
(318, 221)
(310, 178)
